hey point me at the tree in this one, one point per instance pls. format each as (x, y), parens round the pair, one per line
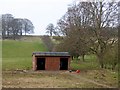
(103, 17)
(62, 25)
(96, 23)
(0, 27)
(50, 29)
(74, 31)
(15, 27)
(28, 26)
(6, 24)
(111, 56)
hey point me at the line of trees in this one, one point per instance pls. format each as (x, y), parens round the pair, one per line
(90, 27)
(15, 27)
(48, 43)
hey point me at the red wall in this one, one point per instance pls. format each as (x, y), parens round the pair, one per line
(52, 63)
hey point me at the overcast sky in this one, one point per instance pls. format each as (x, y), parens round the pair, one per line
(40, 12)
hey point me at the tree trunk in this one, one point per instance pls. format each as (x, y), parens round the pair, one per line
(51, 34)
(21, 33)
(113, 66)
(8, 33)
(83, 57)
(100, 58)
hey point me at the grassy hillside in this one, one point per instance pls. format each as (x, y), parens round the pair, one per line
(18, 54)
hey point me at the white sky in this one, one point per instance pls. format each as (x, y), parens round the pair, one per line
(40, 12)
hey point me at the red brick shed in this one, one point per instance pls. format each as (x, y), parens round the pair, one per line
(51, 61)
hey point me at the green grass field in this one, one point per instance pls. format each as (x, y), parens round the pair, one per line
(90, 63)
(18, 54)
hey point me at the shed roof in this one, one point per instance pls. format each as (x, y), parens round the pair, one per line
(51, 54)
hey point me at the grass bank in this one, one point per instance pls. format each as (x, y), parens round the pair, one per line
(18, 54)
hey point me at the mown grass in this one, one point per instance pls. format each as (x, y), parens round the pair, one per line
(90, 62)
(18, 54)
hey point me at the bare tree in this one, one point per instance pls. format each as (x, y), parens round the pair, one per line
(96, 23)
(103, 17)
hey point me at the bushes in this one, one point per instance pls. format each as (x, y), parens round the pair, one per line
(111, 57)
(58, 38)
(48, 43)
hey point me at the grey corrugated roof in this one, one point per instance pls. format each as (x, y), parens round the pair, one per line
(51, 54)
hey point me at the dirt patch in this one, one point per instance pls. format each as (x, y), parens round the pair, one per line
(50, 79)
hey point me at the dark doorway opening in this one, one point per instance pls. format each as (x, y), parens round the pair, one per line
(40, 63)
(63, 63)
